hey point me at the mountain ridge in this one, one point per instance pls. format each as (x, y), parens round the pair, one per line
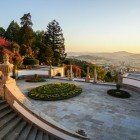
(115, 58)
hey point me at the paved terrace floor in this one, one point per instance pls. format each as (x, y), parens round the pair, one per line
(101, 116)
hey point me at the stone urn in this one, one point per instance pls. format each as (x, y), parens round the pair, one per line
(6, 69)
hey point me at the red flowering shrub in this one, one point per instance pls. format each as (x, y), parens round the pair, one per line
(4, 42)
(76, 70)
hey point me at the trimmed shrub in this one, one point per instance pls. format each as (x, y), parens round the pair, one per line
(55, 91)
(30, 61)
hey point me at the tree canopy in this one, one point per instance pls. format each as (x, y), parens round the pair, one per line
(55, 40)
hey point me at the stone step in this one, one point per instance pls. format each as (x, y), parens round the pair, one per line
(45, 136)
(5, 112)
(13, 127)
(4, 106)
(9, 127)
(25, 132)
(39, 135)
(18, 129)
(7, 120)
(2, 102)
(32, 133)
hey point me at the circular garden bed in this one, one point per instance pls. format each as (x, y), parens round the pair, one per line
(55, 91)
(118, 93)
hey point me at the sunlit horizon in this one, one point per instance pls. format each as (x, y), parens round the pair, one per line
(88, 25)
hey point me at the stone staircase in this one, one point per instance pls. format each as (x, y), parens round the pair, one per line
(15, 127)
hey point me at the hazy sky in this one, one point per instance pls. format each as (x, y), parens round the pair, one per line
(88, 25)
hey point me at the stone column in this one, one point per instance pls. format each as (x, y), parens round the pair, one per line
(50, 72)
(120, 74)
(71, 73)
(88, 75)
(95, 76)
(63, 71)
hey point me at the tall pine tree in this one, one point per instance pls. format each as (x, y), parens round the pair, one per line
(26, 35)
(2, 32)
(12, 32)
(55, 40)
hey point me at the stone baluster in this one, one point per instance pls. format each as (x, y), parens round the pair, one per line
(88, 75)
(95, 76)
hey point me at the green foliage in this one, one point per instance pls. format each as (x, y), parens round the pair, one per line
(30, 61)
(12, 32)
(48, 47)
(15, 47)
(54, 39)
(37, 43)
(110, 78)
(2, 32)
(83, 66)
(56, 91)
(45, 54)
(26, 35)
(26, 20)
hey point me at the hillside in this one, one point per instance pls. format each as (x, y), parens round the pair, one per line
(115, 58)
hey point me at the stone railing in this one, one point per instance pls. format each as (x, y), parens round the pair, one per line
(131, 82)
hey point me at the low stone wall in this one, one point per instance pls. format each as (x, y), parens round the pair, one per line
(22, 105)
(57, 70)
(32, 72)
(131, 83)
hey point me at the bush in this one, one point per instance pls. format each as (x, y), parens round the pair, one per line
(56, 91)
(30, 61)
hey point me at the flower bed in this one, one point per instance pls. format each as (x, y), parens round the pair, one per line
(35, 78)
(118, 93)
(55, 91)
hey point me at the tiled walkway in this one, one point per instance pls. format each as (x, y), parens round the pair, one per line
(101, 116)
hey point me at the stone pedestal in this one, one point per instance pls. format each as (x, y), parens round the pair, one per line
(6, 68)
(95, 76)
(71, 73)
(50, 72)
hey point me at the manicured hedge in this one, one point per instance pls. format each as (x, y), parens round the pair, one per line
(30, 61)
(55, 91)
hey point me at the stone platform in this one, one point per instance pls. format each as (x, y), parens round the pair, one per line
(101, 116)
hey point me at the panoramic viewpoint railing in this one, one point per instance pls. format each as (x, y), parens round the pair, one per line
(131, 81)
